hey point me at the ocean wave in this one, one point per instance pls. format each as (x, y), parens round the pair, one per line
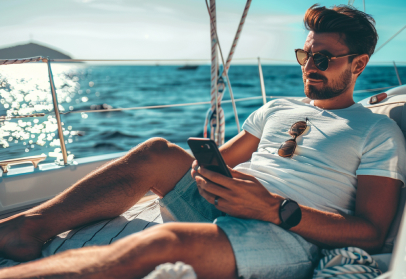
(131, 86)
(108, 146)
(115, 135)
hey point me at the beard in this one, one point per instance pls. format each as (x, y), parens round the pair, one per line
(328, 91)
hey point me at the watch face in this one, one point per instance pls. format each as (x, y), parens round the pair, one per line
(290, 213)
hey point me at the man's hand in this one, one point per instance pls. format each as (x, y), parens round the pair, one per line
(242, 196)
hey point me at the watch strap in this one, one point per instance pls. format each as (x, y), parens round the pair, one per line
(292, 216)
(285, 226)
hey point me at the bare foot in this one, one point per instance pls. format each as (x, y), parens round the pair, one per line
(17, 242)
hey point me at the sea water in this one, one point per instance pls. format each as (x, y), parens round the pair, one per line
(25, 89)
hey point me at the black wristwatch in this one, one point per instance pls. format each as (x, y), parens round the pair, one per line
(290, 214)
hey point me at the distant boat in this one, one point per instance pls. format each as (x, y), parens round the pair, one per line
(188, 67)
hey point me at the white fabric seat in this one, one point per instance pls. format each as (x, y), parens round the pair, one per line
(396, 111)
(383, 261)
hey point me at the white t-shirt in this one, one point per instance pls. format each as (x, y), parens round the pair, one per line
(337, 146)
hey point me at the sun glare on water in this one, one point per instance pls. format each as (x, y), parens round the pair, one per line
(25, 90)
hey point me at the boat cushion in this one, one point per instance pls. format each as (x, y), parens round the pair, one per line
(383, 261)
(396, 111)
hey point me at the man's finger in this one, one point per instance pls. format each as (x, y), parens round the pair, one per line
(213, 199)
(208, 196)
(195, 167)
(216, 201)
(212, 188)
(220, 179)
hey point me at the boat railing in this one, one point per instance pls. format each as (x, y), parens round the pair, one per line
(57, 113)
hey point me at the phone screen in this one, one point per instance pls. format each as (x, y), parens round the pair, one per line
(208, 155)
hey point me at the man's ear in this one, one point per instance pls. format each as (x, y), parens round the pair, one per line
(359, 63)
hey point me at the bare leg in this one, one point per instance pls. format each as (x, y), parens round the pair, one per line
(203, 246)
(155, 165)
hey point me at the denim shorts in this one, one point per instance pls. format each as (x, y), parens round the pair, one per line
(261, 249)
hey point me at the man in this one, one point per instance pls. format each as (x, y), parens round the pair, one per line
(345, 174)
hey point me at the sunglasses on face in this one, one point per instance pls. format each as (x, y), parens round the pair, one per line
(287, 149)
(321, 60)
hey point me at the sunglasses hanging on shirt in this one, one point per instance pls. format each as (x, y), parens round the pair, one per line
(287, 149)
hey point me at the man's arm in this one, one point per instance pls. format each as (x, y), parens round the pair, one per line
(376, 202)
(239, 149)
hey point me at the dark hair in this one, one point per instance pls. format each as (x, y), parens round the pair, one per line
(357, 27)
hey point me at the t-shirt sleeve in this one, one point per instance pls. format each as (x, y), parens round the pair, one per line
(256, 121)
(384, 151)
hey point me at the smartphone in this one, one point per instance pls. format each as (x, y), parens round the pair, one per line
(208, 155)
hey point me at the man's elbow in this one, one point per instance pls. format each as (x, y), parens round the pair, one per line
(374, 242)
(374, 247)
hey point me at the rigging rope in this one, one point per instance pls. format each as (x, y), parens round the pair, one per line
(390, 39)
(169, 106)
(39, 58)
(237, 36)
(8, 117)
(21, 60)
(128, 60)
(215, 115)
(227, 67)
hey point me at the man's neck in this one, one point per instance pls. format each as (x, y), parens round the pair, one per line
(334, 103)
(342, 101)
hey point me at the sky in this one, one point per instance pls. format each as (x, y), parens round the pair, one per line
(179, 29)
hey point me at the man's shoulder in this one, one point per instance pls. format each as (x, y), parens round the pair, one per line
(365, 114)
(385, 124)
(380, 127)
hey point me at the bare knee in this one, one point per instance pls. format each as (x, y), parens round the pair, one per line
(159, 162)
(173, 240)
(203, 246)
(154, 148)
(158, 146)
(140, 253)
(163, 239)
(154, 245)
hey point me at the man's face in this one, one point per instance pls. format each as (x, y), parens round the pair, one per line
(321, 85)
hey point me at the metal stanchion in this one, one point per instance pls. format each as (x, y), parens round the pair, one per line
(397, 73)
(56, 109)
(261, 79)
